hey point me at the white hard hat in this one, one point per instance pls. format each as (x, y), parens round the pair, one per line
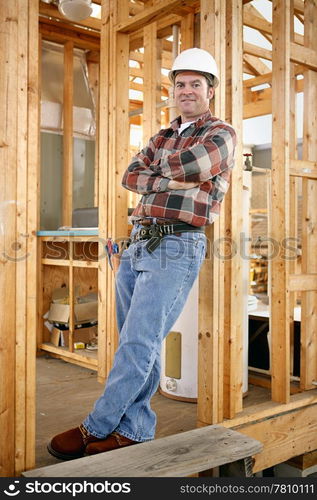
(195, 60)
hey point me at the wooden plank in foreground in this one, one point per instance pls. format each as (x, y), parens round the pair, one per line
(172, 456)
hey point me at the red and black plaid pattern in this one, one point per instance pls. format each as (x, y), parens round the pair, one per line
(203, 153)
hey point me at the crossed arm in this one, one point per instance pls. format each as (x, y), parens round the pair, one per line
(184, 169)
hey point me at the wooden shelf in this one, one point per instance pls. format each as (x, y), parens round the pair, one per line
(85, 358)
(68, 262)
(75, 263)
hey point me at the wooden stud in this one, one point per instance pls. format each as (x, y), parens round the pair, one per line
(21, 240)
(233, 335)
(279, 210)
(93, 76)
(187, 32)
(283, 437)
(150, 15)
(151, 83)
(8, 156)
(304, 55)
(210, 342)
(68, 134)
(293, 183)
(33, 222)
(105, 302)
(309, 217)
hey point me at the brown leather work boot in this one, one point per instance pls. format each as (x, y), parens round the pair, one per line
(71, 444)
(112, 442)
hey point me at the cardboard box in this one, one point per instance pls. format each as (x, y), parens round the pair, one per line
(61, 295)
(85, 308)
(61, 337)
(59, 313)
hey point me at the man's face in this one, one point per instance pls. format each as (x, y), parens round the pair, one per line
(192, 94)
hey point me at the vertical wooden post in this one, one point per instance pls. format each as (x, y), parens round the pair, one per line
(187, 31)
(113, 161)
(93, 75)
(293, 185)
(309, 217)
(151, 83)
(210, 393)
(103, 197)
(8, 157)
(233, 321)
(279, 209)
(19, 143)
(68, 134)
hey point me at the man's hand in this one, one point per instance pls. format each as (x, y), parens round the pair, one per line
(182, 185)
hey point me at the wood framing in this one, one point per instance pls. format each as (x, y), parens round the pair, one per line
(309, 218)
(19, 143)
(279, 213)
(68, 133)
(151, 34)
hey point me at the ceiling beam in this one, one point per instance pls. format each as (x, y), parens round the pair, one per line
(60, 34)
(152, 14)
(51, 11)
(253, 19)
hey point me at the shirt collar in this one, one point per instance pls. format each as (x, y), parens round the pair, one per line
(198, 123)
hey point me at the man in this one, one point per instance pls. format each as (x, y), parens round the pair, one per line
(183, 175)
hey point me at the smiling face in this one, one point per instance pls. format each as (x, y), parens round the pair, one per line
(192, 95)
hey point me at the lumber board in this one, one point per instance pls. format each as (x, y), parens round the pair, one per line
(151, 83)
(284, 436)
(303, 168)
(68, 134)
(279, 213)
(33, 223)
(305, 56)
(211, 304)
(178, 455)
(8, 157)
(151, 14)
(255, 50)
(309, 193)
(60, 34)
(303, 282)
(233, 315)
(21, 241)
(187, 31)
(52, 11)
(253, 19)
(103, 195)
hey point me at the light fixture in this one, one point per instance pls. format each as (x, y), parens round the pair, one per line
(75, 10)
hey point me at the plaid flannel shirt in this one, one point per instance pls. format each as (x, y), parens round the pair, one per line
(203, 153)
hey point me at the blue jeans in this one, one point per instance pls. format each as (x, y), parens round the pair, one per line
(151, 291)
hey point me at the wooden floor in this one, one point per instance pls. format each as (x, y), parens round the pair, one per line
(66, 394)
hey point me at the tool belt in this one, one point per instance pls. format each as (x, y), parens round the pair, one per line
(155, 232)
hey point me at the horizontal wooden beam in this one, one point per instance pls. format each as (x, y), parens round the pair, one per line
(263, 25)
(51, 11)
(255, 50)
(302, 282)
(164, 29)
(302, 168)
(298, 6)
(166, 58)
(152, 14)
(258, 80)
(284, 437)
(304, 55)
(60, 34)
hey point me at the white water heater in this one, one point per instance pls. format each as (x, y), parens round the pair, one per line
(180, 353)
(179, 372)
